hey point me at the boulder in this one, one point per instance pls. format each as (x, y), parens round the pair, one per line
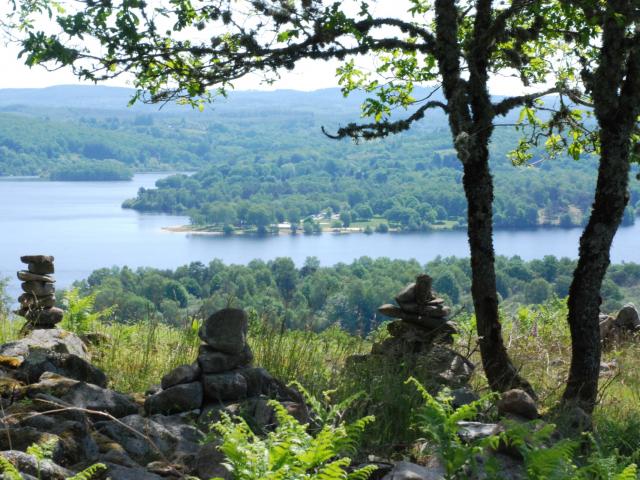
(213, 361)
(224, 386)
(176, 399)
(120, 472)
(54, 340)
(67, 365)
(412, 471)
(628, 318)
(181, 374)
(518, 402)
(226, 330)
(83, 395)
(470, 432)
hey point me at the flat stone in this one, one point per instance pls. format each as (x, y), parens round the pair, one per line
(412, 471)
(412, 307)
(180, 375)
(37, 259)
(43, 268)
(213, 361)
(34, 277)
(176, 399)
(407, 294)
(45, 317)
(56, 340)
(32, 301)
(473, 431)
(224, 386)
(226, 330)
(39, 289)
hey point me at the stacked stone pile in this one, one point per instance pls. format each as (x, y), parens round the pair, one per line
(420, 337)
(37, 303)
(222, 374)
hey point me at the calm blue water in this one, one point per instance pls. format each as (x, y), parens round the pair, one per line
(83, 226)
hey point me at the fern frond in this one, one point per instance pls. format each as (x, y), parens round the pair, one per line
(629, 473)
(9, 470)
(90, 473)
(362, 473)
(44, 450)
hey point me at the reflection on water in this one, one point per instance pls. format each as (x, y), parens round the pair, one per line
(83, 225)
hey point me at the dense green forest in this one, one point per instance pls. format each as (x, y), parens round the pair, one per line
(315, 297)
(261, 158)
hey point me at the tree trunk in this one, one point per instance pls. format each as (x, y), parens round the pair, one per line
(478, 186)
(584, 294)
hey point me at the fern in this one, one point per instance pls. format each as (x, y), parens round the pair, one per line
(438, 421)
(9, 471)
(90, 473)
(43, 451)
(290, 452)
(79, 316)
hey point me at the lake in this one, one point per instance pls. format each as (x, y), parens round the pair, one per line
(84, 227)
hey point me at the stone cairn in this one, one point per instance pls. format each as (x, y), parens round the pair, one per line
(37, 303)
(222, 374)
(420, 337)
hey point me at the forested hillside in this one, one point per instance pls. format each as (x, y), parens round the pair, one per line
(315, 297)
(261, 158)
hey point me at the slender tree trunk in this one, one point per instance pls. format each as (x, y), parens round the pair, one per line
(584, 294)
(478, 185)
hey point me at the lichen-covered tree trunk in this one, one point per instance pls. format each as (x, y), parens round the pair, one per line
(584, 294)
(478, 185)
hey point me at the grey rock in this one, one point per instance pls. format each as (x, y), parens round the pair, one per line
(473, 431)
(210, 463)
(45, 317)
(55, 340)
(67, 365)
(628, 318)
(433, 318)
(176, 399)
(518, 402)
(41, 268)
(39, 289)
(43, 470)
(407, 294)
(224, 386)
(181, 374)
(31, 301)
(463, 396)
(22, 437)
(607, 326)
(226, 330)
(412, 307)
(213, 361)
(412, 471)
(119, 472)
(84, 395)
(37, 258)
(35, 277)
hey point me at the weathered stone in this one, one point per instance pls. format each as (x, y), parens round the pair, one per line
(21, 438)
(412, 307)
(607, 326)
(35, 277)
(84, 395)
(608, 369)
(434, 317)
(448, 366)
(628, 318)
(224, 386)
(407, 294)
(471, 432)
(45, 317)
(42, 469)
(423, 289)
(412, 471)
(120, 472)
(210, 463)
(226, 330)
(175, 399)
(213, 361)
(41, 268)
(410, 332)
(463, 396)
(37, 259)
(518, 402)
(55, 340)
(67, 365)
(181, 374)
(31, 301)
(39, 289)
